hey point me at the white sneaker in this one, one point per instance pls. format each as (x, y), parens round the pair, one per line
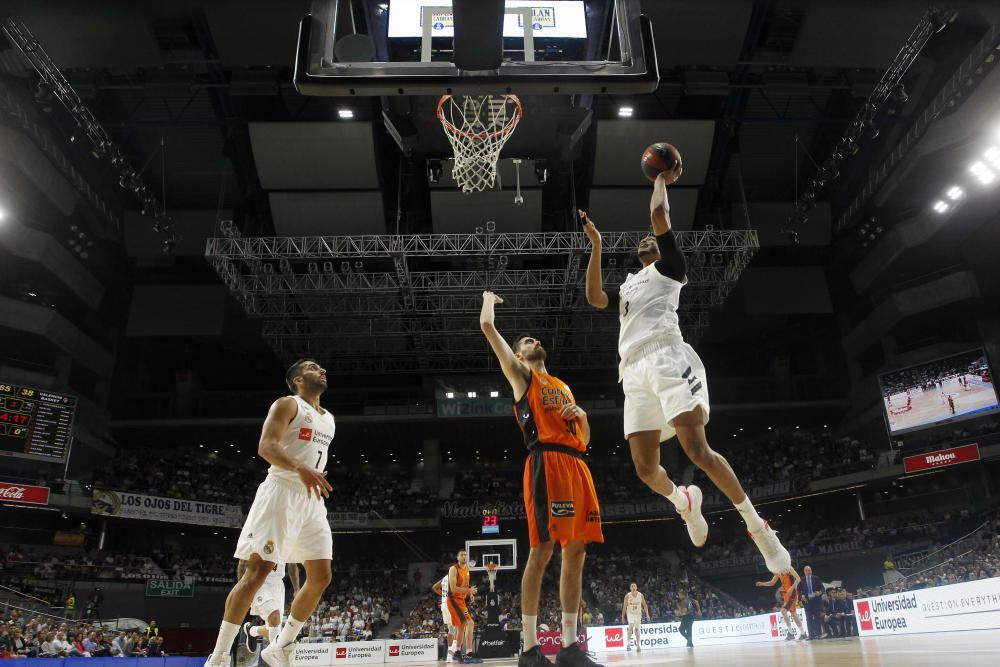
(775, 556)
(451, 656)
(696, 524)
(217, 661)
(276, 656)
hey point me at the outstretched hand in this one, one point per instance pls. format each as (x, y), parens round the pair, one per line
(669, 177)
(589, 228)
(487, 295)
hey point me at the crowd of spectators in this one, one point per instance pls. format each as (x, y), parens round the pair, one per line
(356, 606)
(71, 563)
(23, 636)
(797, 456)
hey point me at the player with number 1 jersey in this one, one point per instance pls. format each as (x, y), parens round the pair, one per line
(666, 390)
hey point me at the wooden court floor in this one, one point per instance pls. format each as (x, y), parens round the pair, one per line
(965, 649)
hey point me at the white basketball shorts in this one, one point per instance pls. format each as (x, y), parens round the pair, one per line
(634, 619)
(664, 380)
(285, 525)
(270, 598)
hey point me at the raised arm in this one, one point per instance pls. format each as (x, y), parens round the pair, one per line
(596, 296)
(280, 415)
(772, 582)
(516, 372)
(796, 579)
(671, 263)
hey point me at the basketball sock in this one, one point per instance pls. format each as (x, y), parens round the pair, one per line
(254, 630)
(678, 498)
(272, 632)
(454, 645)
(530, 632)
(568, 629)
(750, 516)
(224, 642)
(289, 632)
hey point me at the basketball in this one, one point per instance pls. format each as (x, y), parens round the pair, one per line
(659, 157)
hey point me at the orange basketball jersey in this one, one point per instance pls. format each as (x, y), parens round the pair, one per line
(462, 577)
(786, 582)
(537, 414)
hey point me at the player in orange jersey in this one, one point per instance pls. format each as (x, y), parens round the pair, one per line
(789, 599)
(459, 591)
(559, 496)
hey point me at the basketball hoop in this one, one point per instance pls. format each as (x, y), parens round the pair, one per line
(491, 572)
(477, 128)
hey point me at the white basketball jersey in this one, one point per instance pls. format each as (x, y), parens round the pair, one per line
(306, 440)
(634, 603)
(444, 590)
(647, 310)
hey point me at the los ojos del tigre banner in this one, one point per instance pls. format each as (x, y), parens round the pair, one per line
(326, 654)
(970, 605)
(760, 628)
(154, 508)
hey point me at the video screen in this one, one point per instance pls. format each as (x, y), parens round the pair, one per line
(938, 392)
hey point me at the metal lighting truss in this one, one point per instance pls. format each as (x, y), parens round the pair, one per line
(426, 321)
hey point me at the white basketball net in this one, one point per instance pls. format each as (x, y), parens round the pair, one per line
(477, 128)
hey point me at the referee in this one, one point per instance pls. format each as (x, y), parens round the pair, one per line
(687, 608)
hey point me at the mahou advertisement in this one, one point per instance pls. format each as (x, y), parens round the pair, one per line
(24, 493)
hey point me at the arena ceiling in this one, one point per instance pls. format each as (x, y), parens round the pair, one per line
(200, 95)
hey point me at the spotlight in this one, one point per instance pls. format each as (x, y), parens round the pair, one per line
(993, 155)
(472, 394)
(625, 112)
(983, 173)
(346, 114)
(449, 394)
(941, 206)
(955, 192)
(3, 214)
(494, 394)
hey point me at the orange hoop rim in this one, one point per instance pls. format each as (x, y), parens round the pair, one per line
(492, 567)
(449, 127)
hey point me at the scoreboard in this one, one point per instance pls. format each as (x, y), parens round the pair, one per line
(491, 524)
(34, 423)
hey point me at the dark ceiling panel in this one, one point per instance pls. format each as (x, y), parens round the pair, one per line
(117, 36)
(854, 33)
(455, 212)
(620, 144)
(680, 28)
(254, 33)
(327, 213)
(314, 156)
(627, 209)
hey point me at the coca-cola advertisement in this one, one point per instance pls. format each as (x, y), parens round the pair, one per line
(24, 493)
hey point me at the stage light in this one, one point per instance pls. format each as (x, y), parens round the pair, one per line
(984, 174)
(625, 112)
(449, 394)
(494, 394)
(346, 114)
(993, 155)
(941, 206)
(472, 394)
(955, 192)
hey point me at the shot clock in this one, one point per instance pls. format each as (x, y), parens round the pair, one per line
(35, 424)
(491, 524)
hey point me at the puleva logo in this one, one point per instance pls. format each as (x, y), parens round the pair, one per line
(865, 615)
(614, 638)
(393, 651)
(774, 625)
(305, 433)
(341, 651)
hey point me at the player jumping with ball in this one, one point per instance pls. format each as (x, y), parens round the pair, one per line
(666, 391)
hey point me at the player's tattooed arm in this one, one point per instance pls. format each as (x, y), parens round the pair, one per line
(516, 372)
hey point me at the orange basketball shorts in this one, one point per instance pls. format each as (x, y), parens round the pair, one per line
(459, 612)
(791, 601)
(560, 500)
